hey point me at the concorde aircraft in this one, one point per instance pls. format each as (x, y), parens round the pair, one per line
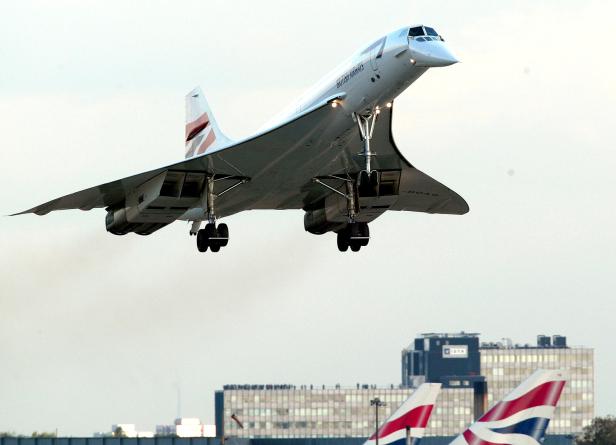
(331, 154)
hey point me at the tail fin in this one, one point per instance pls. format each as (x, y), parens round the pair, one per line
(414, 414)
(202, 132)
(522, 417)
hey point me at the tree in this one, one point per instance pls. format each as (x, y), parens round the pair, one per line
(44, 434)
(119, 432)
(602, 431)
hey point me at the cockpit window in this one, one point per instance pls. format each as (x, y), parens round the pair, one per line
(417, 31)
(431, 31)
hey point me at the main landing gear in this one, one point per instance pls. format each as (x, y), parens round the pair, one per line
(213, 236)
(355, 235)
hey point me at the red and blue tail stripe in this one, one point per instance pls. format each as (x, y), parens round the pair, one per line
(413, 415)
(547, 393)
(416, 418)
(522, 417)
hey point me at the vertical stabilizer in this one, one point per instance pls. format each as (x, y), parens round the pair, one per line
(413, 414)
(202, 132)
(522, 417)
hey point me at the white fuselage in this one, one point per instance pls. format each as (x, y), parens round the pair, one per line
(373, 76)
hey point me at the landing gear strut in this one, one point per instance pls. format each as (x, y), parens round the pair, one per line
(366, 184)
(213, 236)
(354, 234)
(367, 179)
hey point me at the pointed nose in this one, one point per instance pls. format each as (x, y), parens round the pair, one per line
(432, 54)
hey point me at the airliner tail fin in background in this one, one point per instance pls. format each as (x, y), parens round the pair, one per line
(522, 417)
(202, 132)
(413, 414)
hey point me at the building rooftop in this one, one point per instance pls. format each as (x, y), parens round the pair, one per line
(272, 387)
(449, 335)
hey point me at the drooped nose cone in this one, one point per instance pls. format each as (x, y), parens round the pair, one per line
(431, 53)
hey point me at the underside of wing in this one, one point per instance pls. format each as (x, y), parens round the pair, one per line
(104, 195)
(416, 192)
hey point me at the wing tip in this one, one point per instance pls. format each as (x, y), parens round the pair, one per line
(25, 212)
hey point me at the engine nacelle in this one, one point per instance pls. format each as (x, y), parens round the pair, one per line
(317, 222)
(156, 203)
(117, 223)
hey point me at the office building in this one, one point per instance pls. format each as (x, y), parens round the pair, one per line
(474, 375)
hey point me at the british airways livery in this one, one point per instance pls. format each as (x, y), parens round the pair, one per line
(412, 417)
(522, 417)
(331, 153)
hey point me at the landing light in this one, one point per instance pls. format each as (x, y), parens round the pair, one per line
(388, 104)
(334, 104)
(413, 61)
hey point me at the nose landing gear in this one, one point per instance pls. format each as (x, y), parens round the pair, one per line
(367, 179)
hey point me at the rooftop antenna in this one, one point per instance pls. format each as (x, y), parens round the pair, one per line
(179, 400)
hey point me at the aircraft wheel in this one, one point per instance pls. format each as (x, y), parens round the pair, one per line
(343, 240)
(202, 241)
(223, 232)
(365, 232)
(210, 230)
(355, 245)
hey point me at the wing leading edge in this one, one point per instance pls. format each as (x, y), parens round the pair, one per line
(417, 192)
(280, 164)
(247, 158)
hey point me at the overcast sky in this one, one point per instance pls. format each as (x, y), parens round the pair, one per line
(97, 329)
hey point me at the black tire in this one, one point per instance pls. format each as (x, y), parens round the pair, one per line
(354, 229)
(210, 230)
(223, 232)
(202, 241)
(365, 232)
(343, 241)
(355, 245)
